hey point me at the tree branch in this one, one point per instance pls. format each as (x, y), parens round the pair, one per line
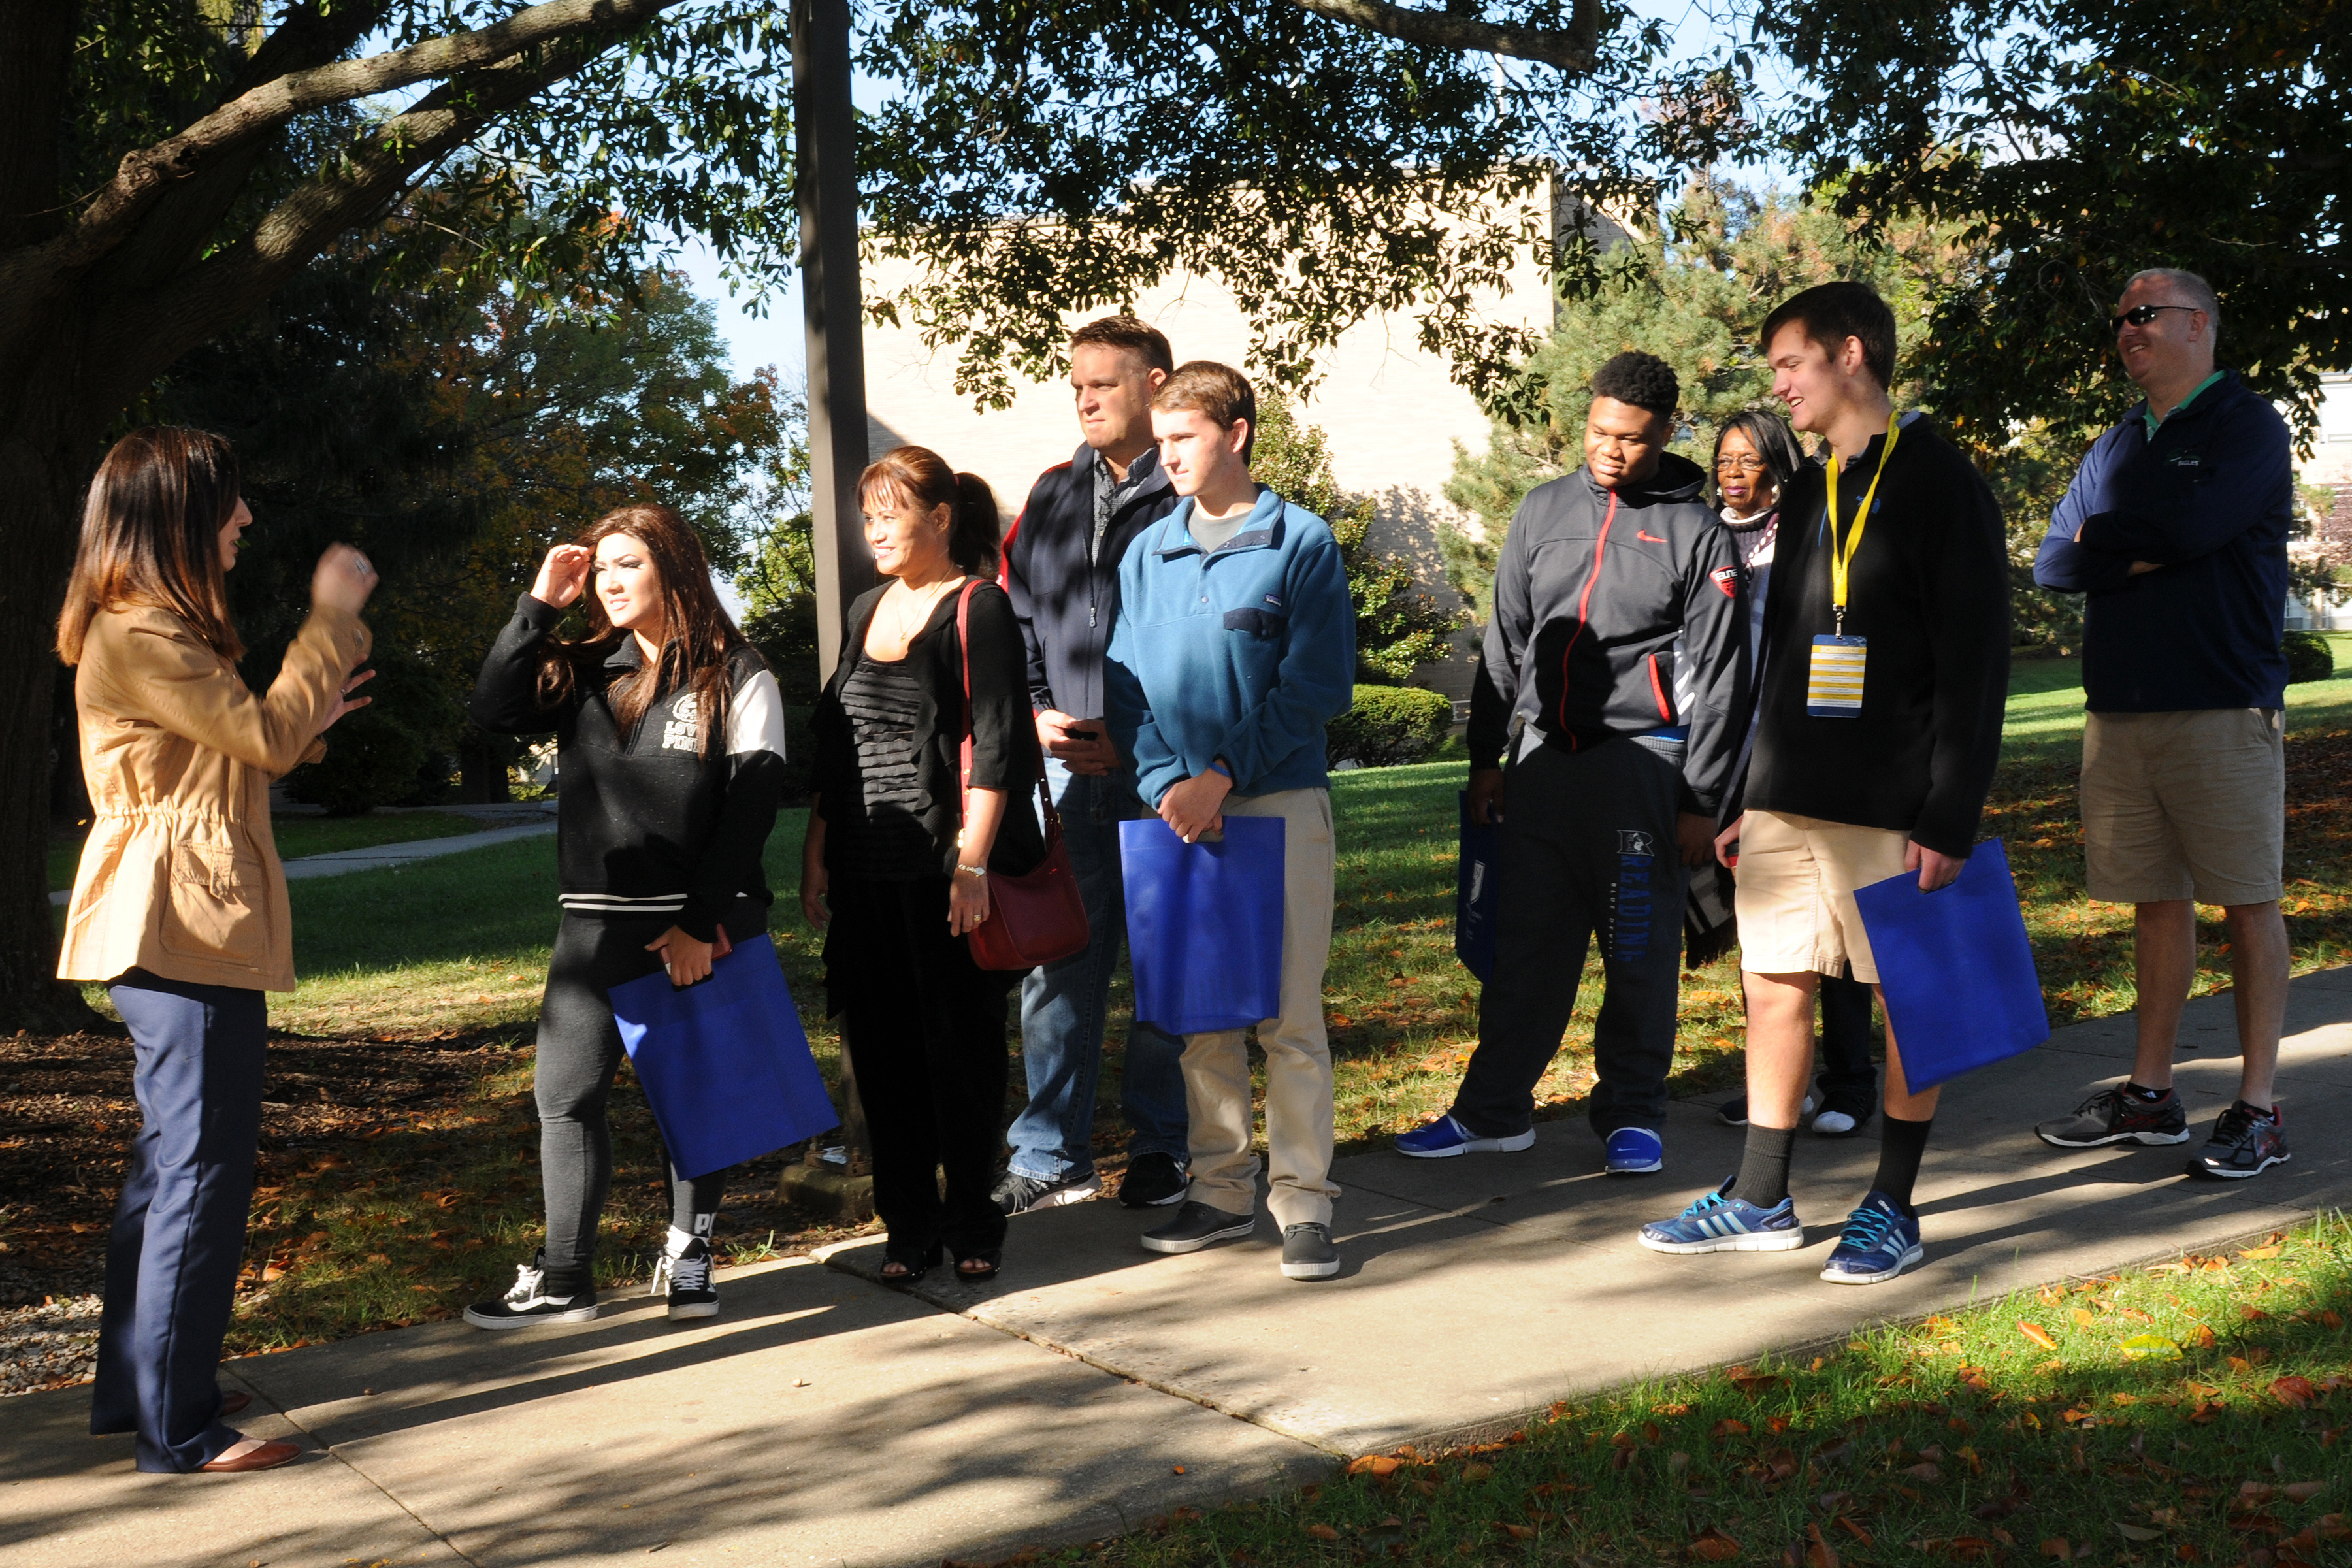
(252, 114)
(1574, 51)
(375, 174)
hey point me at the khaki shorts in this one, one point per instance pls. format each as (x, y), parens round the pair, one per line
(1796, 881)
(2187, 805)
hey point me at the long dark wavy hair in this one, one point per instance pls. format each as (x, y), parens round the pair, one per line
(150, 537)
(699, 637)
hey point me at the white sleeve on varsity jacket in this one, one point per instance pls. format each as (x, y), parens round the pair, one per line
(755, 717)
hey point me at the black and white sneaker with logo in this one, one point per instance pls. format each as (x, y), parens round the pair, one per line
(531, 1301)
(683, 1274)
(2246, 1141)
(1017, 1193)
(1153, 1181)
(1308, 1252)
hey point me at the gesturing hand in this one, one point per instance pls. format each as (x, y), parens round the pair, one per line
(343, 701)
(563, 576)
(343, 579)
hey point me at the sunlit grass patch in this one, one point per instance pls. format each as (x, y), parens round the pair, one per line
(2192, 1413)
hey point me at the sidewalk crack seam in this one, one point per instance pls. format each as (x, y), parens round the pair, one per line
(332, 1452)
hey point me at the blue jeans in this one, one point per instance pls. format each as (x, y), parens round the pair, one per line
(1064, 1007)
(179, 1227)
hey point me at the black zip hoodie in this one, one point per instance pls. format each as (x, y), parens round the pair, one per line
(647, 826)
(1593, 591)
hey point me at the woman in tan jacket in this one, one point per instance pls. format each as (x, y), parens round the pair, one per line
(180, 905)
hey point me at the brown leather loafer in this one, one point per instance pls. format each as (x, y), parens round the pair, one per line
(268, 1457)
(234, 1401)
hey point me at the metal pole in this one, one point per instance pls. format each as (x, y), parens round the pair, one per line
(825, 127)
(826, 132)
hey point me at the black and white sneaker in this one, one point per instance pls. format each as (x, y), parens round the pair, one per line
(2246, 1141)
(1017, 1193)
(1308, 1252)
(683, 1274)
(529, 1301)
(1197, 1226)
(1153, 1181)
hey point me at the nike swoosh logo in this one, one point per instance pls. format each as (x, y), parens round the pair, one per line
(1643, 533)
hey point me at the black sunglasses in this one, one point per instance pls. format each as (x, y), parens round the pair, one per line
(2141, 315)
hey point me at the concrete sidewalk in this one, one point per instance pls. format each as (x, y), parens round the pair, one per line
(823, 1419)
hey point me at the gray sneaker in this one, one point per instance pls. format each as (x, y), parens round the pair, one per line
(1308, 1252)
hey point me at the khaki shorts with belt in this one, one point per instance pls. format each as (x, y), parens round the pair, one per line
(1796, 881)
(2186, 805)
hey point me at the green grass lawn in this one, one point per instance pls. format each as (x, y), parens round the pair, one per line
(300, 835)
(2192, 1413)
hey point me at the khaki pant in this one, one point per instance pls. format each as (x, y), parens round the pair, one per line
(1297, 1053)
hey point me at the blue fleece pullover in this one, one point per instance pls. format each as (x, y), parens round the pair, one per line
(2208, 498)
(1243, 654)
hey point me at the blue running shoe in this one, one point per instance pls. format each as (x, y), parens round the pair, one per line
(1445, 1138)
(1720, 1224)
(1880, 1242)
(1636, 1152)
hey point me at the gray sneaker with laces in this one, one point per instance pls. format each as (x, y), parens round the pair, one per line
(1308, 1252)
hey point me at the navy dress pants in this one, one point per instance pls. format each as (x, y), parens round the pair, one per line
(179, 1228)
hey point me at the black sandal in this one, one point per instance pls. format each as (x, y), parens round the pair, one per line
(908, 1273)
(987, 1264)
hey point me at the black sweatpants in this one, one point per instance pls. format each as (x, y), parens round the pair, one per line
(579, 1053)
(1588, 849)
(925, 1027)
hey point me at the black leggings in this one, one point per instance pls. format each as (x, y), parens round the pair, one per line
(579, 1052)
(925, 1027)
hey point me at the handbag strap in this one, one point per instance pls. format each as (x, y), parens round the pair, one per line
(963, 794)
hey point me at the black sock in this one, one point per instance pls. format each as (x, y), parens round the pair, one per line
(1763, 1178)
(2144, 1094)
(1900, 1145)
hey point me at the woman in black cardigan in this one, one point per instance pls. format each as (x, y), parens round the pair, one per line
(924, 1026)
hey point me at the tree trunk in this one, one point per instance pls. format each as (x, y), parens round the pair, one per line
(36, 521)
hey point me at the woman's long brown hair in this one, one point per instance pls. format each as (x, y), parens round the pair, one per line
(698, 634)
(150, 537)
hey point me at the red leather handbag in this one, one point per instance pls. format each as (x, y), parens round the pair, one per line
(1038, 916)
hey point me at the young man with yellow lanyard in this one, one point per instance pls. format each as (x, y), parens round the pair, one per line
(1886, 666)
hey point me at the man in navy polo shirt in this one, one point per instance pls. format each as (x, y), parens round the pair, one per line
(1235, 645)
(2176, 530)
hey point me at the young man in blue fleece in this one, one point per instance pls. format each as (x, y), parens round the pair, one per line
(1235, 644)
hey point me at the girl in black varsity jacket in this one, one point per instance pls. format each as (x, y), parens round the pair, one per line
(670, 752)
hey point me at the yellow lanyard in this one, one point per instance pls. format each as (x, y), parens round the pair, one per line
(1842, 555)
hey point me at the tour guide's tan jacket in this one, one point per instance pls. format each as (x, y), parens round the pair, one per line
(179, 875)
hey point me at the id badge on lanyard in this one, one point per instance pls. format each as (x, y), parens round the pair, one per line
(1833, 685)
(1833, 689)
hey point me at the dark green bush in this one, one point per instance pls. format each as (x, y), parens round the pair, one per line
(379, 755)
(2309, 657)
(1389, 725)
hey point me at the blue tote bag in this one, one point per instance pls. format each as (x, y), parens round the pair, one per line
(724, 1063)
(1205, 923)
(1477, 882)
(1956, 968)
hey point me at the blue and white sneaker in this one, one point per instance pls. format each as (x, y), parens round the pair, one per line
(1634, 1151)
(1880, 1241)
(1445, 1138)
(1720, 1224)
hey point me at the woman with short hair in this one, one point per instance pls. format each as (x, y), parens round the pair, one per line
(899, 855)
(669, 765)
(180, 904)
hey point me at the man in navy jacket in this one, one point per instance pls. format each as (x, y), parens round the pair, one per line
(2175, 528)
(1061, 570)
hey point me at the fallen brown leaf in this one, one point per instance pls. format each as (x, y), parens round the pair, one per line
(1712, 1545)
(1322, 1532)
(2038, 1334)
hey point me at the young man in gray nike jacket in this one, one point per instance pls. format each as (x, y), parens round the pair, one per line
(1601, 724)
